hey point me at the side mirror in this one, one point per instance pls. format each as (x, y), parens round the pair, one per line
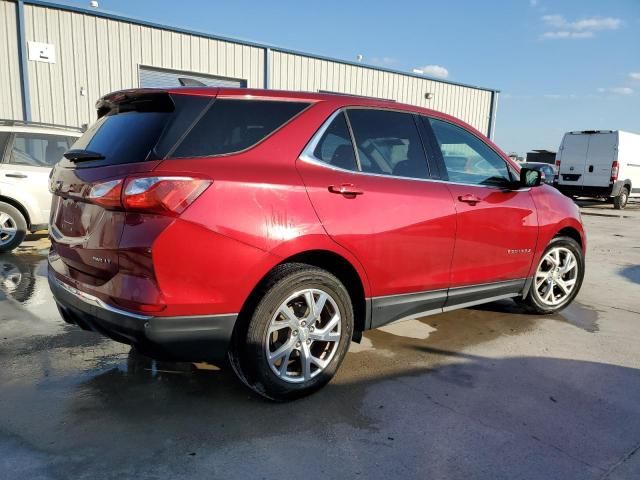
(530, 177)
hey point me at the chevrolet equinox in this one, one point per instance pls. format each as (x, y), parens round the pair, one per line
(269, 229)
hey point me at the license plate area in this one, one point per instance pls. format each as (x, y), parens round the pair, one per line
(571, 177)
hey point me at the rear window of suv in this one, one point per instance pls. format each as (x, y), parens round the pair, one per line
(187, 126)
(230, 126)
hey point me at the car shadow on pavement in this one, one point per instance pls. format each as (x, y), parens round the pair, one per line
(631, 273)
(414, 403)
(549, 417)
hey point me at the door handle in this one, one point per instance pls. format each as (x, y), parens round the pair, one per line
(346, 189)
(469, 198)
(15, 175)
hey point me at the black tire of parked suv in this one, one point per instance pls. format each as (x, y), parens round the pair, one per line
(248, 355)
(533, 300)
(621, 200)
(19, 221)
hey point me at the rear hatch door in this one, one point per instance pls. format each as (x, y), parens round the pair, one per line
(573, 156)
(602, 152)
(134, 131)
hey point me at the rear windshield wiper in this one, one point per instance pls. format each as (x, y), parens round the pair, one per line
(83, 155)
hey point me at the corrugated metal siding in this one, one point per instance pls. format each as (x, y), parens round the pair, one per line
(10, 92)
(156, 78)
(103, 55)
(297, 72)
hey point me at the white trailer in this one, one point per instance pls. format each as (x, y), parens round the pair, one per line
(599, 164)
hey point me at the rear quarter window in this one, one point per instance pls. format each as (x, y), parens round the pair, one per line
(230, 126)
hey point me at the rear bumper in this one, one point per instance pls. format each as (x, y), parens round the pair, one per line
(189, 339)
(590, 191)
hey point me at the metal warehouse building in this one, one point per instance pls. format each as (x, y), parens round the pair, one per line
(58, 60)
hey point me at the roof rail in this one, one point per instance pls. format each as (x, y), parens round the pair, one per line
(24, 123)
(354, 95)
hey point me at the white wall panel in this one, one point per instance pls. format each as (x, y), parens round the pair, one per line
(10, 92)
(103, 55)
(297, 72)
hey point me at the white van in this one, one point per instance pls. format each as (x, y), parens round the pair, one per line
(599, 164)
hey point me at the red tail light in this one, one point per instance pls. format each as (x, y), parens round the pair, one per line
(614, 171)
(557, 173)
(162, 195)
(106, 194)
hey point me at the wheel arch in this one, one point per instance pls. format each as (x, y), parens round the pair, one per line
(335, 264)
(571, 233)
(347, 274)
(17, 205)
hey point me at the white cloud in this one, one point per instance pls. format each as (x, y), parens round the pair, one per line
(635, 75)
(617, 90)
(622, 90)
(560, 96)
(433, 70)
(565, 34)
(607, 23)
(533, 3)
(582, 28)
(382, 61)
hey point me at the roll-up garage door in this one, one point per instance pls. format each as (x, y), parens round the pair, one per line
(160, 78)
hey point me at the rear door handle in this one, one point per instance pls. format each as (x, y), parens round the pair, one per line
(15, 175)
(346, 189)
(469, 198)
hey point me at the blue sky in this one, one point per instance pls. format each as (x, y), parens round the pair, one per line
(560, 65)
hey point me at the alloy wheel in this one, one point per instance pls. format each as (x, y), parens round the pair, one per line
(303, 335)
(8, 228)
(556, 276)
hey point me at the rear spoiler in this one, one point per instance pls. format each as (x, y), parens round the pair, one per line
(139, 100)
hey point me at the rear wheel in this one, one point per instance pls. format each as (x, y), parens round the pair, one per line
(621, 200)
(13, 227)
(558, 277)
(297, 335)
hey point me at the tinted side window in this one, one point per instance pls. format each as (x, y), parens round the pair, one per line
(335, 147)
(468, 159)
(388, 143)
(37, 150)
(233, 125)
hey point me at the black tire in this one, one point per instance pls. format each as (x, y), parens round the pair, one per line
(533, 300)
(17, 278)
(621, 200)
(248, 355)
(18, 221)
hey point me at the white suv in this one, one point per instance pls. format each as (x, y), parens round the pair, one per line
(27, 153)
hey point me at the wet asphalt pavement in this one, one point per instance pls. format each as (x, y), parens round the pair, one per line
(488, 392)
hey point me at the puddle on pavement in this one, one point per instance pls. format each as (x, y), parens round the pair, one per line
(455, 331)
(409, 329)
(579, 315)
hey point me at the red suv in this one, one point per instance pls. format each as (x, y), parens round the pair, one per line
(272, 228)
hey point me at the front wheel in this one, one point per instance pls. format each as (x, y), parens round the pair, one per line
(298, 334)
(558, 276)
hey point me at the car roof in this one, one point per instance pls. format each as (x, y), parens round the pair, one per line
(339, 99)
(7, 125)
